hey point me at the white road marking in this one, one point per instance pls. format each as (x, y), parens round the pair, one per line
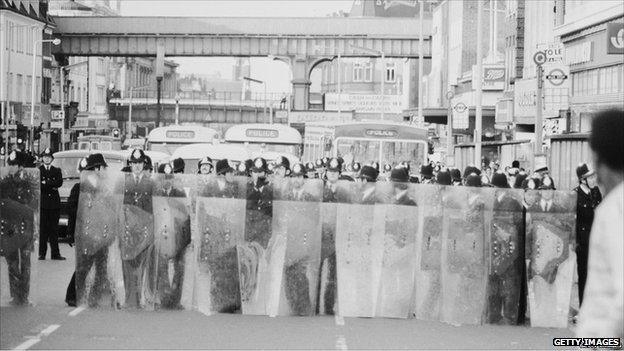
(49, 330)
(76, 310)
(341, 343)
(339, 320)
(34, 340)
(27, 344)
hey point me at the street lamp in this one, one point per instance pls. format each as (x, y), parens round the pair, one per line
(177, 109)
(265, 94)
(33, 88)
(383, 74)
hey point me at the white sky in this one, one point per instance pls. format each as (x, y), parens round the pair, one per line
(276, 74)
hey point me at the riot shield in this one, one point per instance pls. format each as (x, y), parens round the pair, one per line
(172, 236)
(463, 255)
(427, 289)
(359, 251)
(328, 289)
(97, 226)
(19, 233)
(506, 256)
(550, 260)
(261, 255)
(137, 241)
(399, 224)
(221, 224)
(296, 216)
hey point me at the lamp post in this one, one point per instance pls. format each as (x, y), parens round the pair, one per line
(265, 95)
(129, 131)
(479, 93)
(33, 88)
(383, 75)
(177, 109)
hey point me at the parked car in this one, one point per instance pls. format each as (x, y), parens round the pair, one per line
(68, 162)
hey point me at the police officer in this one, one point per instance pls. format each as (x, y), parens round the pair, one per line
(226, 186)
(588, 198)
(242, 170)
(91, 251)
(320, 165)
(72, 209)
(137, 239)
(426, 174)
(456, 177)
(51, 179)
(367, 178)
(170, 294)
(281, 168)
(310, 170)
(400, 177)
(258, 222)
(204, 166)
(17, 226)
(444, 177)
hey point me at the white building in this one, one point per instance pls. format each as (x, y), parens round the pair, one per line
(22, 24)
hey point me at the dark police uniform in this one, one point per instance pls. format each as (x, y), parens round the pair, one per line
(585, 206)
(50, 210)
(258, 222)
(137, 238)
(170, 294)
(16, 228)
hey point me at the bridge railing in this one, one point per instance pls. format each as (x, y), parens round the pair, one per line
(218, 98)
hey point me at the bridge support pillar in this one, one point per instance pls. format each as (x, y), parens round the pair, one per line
(300, 67)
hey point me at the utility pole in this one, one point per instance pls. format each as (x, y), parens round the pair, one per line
(158, 88)
(479, 82)
(421, 119)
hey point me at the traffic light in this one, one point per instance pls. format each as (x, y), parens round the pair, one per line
(22, 132)
(430, 147)
(37, 132)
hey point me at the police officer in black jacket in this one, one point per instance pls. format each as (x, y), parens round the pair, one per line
(588, 198)
(51, 179)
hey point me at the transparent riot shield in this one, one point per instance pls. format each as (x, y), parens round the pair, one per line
(221, 227)
(427, 287)
(98, 275)
(261, 255)
(296, 216)
(463, 255)
(19, 233)
(328, 288)
(397, 219)
(506, 255)
(137, 241)
(550, 260)
(172, 237)
(359, 250)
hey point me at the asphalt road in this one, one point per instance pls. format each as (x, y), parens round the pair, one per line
(50, 324)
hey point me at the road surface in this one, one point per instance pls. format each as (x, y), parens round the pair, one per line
(50, 324)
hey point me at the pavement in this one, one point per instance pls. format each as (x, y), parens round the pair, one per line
(51, 324)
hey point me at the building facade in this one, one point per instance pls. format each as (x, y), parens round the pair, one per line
(592, 33)
(364, 76)
(24, 25)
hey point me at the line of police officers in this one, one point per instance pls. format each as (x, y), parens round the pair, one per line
(138, 188)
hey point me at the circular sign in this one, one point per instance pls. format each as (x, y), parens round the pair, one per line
(539, 58)
(460, 107)
(556, 77)
(450, 94)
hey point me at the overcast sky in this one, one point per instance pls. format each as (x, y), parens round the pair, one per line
(276, 74)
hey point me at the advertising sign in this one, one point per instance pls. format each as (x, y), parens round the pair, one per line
(57, 115)
(364, 103)
(320, 116)
(554, 51)
(615, 38)
(493, 77)
(553, 126)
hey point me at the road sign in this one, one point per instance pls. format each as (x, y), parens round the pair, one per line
(460, 107)
(539, 58)
(460, 116)
(556, 77)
